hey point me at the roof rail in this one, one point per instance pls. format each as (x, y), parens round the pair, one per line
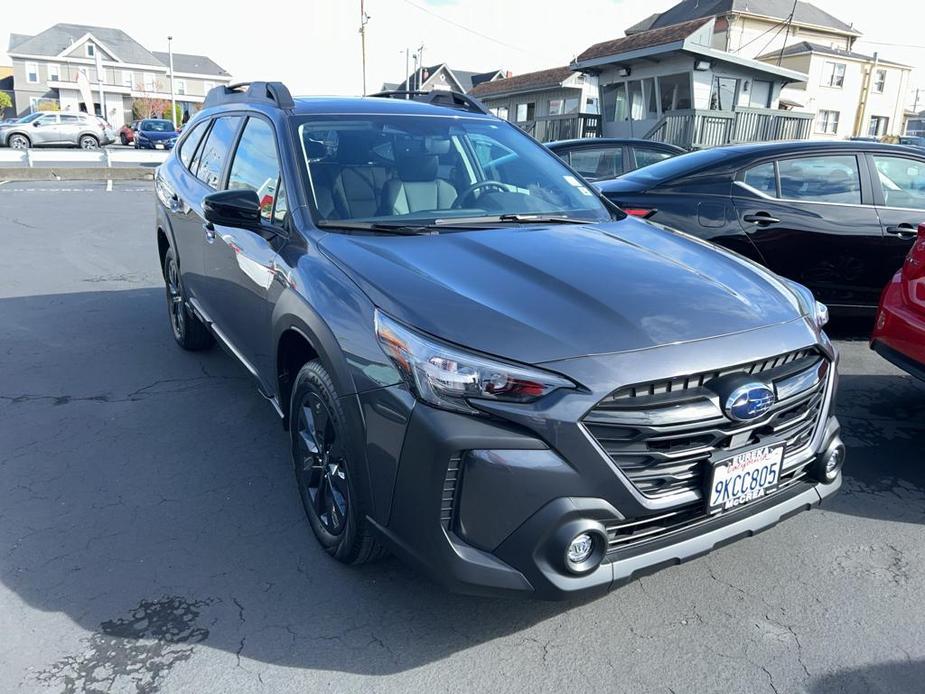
(437, 97)
(275, 93)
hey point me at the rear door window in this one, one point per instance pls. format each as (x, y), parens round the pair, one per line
(597, 162)
(646, 156)
(826, 178)
(902, 181)
(214, 153)
(255, 165)
(762, 178)
(190, 142)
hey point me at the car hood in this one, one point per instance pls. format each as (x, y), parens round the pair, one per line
(537, 293)
(157, 136)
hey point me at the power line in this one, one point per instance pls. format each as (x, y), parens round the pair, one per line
(464, 27)
(890, 43)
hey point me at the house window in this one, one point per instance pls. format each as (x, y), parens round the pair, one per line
(642, 99)
(128, 78)
(760, 94)
(723, 94)
(526, 112)
(32, 73)
(149, 82)
(209, 86)
(613, 101)
(54, 72)
(675, 92)
(499, 111)
(181, 87)
(878, 126)
(559, 107)
(90, 49)
(591, 105)
(880, 81)
(833, 75)
(827, 122)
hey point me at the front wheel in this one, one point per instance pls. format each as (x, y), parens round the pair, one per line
(89, 142)
(324, 471)
(123, 139)
(188, 330)
(18, 142)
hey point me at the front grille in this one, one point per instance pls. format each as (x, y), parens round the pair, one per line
(664, 434)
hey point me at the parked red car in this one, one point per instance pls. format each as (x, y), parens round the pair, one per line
(127, 133)
(899, 335)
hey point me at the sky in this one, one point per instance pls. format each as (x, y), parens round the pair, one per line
(314, 45)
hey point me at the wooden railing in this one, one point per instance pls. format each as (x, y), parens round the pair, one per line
(567, 127)
(696, 129)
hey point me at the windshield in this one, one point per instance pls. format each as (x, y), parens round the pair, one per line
(675, 167)
(421, 169)
(157, 126)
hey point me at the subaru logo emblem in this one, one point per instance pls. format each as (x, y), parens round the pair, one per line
(749, 401)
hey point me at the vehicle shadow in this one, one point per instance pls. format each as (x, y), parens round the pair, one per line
(883, 678)
(146, 493)
(883, 426)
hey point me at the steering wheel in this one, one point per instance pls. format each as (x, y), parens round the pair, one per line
(478, 185)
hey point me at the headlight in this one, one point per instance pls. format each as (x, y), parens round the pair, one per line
(816, 310)
(447, 377)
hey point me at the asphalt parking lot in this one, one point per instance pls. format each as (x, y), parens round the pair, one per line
(151, 536)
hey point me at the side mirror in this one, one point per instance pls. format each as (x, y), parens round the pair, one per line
(35, 124)
(233, 208)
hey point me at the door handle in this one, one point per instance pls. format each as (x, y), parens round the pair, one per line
(903, 231)
(760, 218)
(210, 231)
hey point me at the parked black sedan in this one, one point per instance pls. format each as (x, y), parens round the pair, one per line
(600, 158)
(838, 217)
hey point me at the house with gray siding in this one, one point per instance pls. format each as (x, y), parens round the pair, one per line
(554, 104)
(75, 67)
(441, 76)
(671, 84)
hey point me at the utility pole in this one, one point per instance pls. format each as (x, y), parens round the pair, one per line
(407, 70)
(364, 18)
(173, 98)
(420, 66)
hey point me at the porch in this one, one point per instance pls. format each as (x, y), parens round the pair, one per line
(563, 127)
(697, 129)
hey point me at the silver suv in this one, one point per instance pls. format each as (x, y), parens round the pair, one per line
(52, 128)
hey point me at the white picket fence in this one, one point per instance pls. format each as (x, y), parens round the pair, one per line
(104, 157)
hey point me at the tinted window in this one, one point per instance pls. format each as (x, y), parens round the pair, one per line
(191, 141)
(675, 167)
(820, 179)
(65, 118)
(211, 156)
(255, 165)
(598, 163)
(762, 178)
(647, 157)
(902, 181)
(282, 204)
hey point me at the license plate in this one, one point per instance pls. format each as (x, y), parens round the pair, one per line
(159, 146)
(745, 477)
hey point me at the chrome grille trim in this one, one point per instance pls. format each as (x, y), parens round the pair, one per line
(662, 435)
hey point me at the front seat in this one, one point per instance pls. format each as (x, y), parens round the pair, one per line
(417, 187)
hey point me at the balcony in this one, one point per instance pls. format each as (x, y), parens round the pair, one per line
(565, 127)
(697, 129)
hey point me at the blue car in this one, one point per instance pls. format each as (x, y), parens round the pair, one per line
(155, 133)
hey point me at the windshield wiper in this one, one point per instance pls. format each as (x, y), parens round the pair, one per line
(509, 219)
(398, 229)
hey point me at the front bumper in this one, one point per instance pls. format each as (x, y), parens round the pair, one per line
(483, 505)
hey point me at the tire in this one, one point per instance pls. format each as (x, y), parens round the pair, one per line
(187, 329)
(123, 139)
(89, 142)
(17, 141)
(324, 471)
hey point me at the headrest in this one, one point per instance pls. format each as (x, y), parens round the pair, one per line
(417, 167)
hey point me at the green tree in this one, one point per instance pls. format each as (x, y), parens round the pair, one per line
(5, 101)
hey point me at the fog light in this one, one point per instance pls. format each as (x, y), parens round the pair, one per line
(580, 548)
(829, 464)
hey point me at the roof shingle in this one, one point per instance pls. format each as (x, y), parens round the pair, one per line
(644, 39)
(527, 81)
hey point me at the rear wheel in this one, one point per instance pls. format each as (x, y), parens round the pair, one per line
(19, 142)
(324, 470)
(89, 142)
(123, 139)
(188, 330)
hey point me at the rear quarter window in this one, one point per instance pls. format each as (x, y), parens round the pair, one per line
(191, 142)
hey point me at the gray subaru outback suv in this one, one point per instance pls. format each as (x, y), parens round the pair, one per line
(483, 365)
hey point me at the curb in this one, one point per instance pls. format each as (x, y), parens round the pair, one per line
(49, 173)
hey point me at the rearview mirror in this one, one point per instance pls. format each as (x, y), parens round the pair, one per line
(233, 208)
